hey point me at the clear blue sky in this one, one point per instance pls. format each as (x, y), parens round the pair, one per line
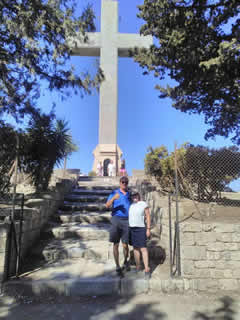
(143, 118)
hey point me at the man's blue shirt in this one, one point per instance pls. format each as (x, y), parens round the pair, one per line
(121, 205)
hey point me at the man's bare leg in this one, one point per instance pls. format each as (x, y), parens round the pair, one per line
(116, 254)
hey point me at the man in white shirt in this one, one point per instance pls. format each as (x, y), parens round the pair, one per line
(139, 213)
(111, 169)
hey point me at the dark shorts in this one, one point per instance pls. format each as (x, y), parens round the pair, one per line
(119, 230)
(138, 238)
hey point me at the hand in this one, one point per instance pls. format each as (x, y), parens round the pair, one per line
(148, 233)
(116, 196)
(110, 202)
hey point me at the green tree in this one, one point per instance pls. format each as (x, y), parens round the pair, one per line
(69, 146)
(198, 47)
(203, 172)
(209, 171)
(46, 145)
(33, 48)
(92, 174)
(7, 155)
(160, 164)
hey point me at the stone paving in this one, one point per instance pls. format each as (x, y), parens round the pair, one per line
(146, 307)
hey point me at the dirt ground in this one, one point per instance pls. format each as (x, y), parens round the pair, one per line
(226, 211)
(149, 307)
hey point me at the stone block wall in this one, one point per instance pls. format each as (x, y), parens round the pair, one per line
(37, 211)
(210, 252)
(159, 217)
(4, 229)
(159, 207)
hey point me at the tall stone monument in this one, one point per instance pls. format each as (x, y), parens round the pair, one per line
(109, 44)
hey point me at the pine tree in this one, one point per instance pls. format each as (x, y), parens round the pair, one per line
(198, 46)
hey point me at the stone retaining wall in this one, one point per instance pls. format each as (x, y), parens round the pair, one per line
(37, 211)
(210, 253)
(210, 245)
(159, 208)
(3, 248)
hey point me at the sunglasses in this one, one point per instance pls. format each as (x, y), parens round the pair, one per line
(124, 182)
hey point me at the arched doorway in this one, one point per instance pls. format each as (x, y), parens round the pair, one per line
(105, 167)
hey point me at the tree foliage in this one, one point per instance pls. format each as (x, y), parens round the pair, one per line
(33, 47)
(43, 144)
(199, 48)
(47, 144)
(211, 170)
(160, 164)
(202, 172)
(92, 174)
(7, 155)
(66, 137)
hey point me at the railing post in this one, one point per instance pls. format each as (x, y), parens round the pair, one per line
(170, 233)
(177, 213)
(15, 178)
(18, 266)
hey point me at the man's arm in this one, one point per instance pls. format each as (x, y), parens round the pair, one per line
(109, 203)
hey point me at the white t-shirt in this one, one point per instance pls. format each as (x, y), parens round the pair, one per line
(137, 214)
(114, 170)
(110, 167)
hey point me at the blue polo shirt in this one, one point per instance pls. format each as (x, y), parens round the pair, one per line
(121, 205)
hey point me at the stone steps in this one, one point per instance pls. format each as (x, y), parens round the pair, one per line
(84, 207)
(96, 186)
(90, 192)
(83, 277)
(85, 198)
(78, 256)
(95, 250)
(81, 231)
(78, 278)
(101, 180)
(89, 217)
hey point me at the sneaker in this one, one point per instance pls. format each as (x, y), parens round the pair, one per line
(147, 275)
(126, 266)
(119, 272)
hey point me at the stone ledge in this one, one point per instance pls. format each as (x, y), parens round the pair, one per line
(73, 287)
(109, 286)
(134, 286)
(184, 285)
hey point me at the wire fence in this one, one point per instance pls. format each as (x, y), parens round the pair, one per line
(199, 183)
(208, 175)
(204, 180)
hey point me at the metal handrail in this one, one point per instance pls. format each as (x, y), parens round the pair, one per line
(174, 243)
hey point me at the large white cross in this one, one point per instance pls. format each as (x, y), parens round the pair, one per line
(109, 44)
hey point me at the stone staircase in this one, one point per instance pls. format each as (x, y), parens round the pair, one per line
(74, 256)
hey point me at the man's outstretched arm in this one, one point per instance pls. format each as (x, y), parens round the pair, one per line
(109, 203)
